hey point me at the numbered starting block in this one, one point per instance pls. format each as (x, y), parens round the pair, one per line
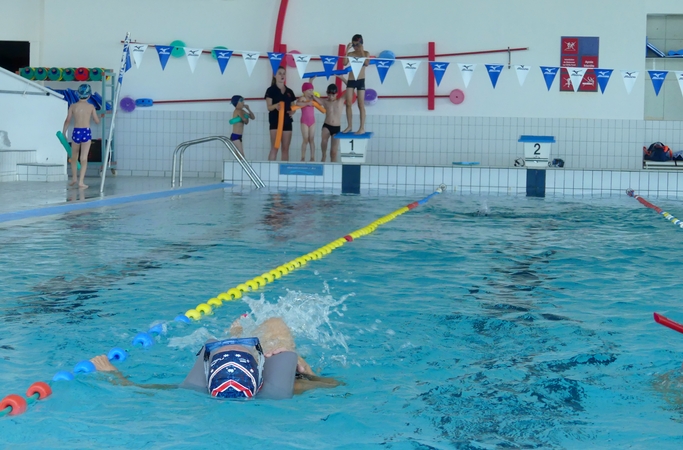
(352, 147)
(536, 150)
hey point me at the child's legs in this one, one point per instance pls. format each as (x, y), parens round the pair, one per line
(349, 111)
(272, 156)
(311, 140)
(323, 143)
(85, 149)
(286, 140)
(238, 144)
(75, 148)
(335, 149)
(361, 109)
(305, 131)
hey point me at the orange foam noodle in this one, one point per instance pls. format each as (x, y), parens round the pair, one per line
(280, 125)
(319, 107)
(296, 107)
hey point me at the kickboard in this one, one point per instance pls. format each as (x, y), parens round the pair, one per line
(66, 145)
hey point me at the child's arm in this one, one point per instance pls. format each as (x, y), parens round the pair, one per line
(251, 115)
(95, 117)
(342, 79)
(67, 121)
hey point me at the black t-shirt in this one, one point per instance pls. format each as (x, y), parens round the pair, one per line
(277, 96)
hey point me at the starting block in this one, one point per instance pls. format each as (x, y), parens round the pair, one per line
(352, 147)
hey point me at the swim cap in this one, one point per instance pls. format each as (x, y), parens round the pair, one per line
(84, 91)
(332, 89)
(234, 374)
(236, 99)
(306, 86)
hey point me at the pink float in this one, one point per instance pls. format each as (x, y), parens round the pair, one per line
(289, 59)
(457, 96)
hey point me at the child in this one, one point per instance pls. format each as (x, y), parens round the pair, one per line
(82, 112)
(307, 120)
(243, 112)
(357, 84)
(333, 108)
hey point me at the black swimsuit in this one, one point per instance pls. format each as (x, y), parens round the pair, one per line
(277, 96)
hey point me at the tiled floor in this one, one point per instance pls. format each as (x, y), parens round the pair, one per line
(26, 195)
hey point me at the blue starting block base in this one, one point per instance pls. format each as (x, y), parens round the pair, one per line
(352, 147)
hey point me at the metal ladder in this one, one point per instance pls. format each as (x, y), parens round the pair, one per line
(180, 151)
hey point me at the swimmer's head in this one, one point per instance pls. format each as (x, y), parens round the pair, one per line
(306, 87)
(84, 91)
(236, 99)
(234, 374)
(357, 40)
(332, 89)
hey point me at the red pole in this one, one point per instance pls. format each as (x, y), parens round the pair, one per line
(340, 65)
(280, 25)
(430, 81)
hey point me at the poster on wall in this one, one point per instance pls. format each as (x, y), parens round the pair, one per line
(579, 51)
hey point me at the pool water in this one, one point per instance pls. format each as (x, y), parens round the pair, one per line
(468, 322)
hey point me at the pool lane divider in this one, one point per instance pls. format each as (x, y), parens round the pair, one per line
(262, 280)
(14, 404)
(657, 209)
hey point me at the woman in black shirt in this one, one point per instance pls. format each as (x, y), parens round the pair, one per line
(276, 93)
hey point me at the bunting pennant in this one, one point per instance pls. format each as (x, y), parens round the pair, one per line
(549, 74)
(356, 65)
(576, 75)
(138, 50)
(438, 69)
(679, 77)
(129, 65)
(301, 62)
(275, 61)
(223, 58)
(328, 63)
(603, 76)
(383, 67)
(466, 70)
(164, 52)
(250, 59)
(410, 69)
(494, 72)
(522, 72)
(193, 55)
(657, 77)
(629, 77)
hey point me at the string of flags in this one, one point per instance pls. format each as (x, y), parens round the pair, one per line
(577, 75)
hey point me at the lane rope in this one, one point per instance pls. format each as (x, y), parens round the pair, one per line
(667, 216)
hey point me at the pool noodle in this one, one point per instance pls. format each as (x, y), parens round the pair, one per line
(66, 145)
(280, 125)
(668, 323)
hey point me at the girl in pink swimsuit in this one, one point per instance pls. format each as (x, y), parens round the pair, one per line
(307, 120)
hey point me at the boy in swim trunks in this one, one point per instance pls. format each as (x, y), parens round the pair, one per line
(358, 84)
(244, 113)
(333, 109)
(82, 112)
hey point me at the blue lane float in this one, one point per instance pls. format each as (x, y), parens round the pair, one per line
(117, 354)
(86, 366)
(156, 329)
(63, 375)
(182, 318)
(143, 339)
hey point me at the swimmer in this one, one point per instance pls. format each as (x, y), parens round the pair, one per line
(242, 111)
(242, 367)
(355, 49)
(82, 112)
(307, 120)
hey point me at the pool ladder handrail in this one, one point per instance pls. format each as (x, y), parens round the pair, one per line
(180, 151)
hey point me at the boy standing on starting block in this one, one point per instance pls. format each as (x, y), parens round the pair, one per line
(82, 112)
(240, 117)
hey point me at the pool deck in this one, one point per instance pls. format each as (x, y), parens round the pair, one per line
(28, 199)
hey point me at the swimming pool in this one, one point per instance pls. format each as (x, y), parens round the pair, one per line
(468, 322)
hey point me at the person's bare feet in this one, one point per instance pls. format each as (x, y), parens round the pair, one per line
(347, 129)
(82, 186)
(102, 364)
(236, 328)
(73, 182)
(360, 131)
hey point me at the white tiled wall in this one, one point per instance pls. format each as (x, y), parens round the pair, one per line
(470, 180)
(145, 140)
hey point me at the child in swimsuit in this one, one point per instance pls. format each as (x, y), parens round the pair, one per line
(244, 113)
(307, 120)
(333, 109)
(355, 50)
(82, 112)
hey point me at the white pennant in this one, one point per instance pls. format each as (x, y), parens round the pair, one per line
(410, 68)
(522, 72)
(193, 55)
(301, 63)
(576, 75)
(356, 65)
(466, 70)
(629, 77)
(250, 59)
(679, 77)
(138, 50)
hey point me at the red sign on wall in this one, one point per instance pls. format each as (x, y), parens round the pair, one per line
(579, 52)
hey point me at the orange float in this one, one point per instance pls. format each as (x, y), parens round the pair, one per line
(280, 125)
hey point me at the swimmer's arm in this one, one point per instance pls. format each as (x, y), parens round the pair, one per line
(342, 79)
(102, 364)
(251, 115)
(95, 117)
(67, 121)
(305, 383)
